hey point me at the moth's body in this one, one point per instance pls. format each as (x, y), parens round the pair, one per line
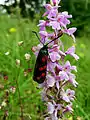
(40, 69)
(41, 65)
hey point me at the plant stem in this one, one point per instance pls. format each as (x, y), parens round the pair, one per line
(20, 101)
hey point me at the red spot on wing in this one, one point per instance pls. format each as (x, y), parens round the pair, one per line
(43, 59)
(41, 69)
(43, 75)
(44, 67)
(38, 78)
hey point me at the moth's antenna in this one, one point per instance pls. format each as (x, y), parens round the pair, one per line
(56, 38)
(37, 36)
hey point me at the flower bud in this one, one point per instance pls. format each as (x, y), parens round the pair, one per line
(3, 104)
(12, 89)
(18, 62)
(7, 53)
(55, 2)
(27, 56)
(20, 43)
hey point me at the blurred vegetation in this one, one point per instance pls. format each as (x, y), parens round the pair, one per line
(13, 29)
(80, 9)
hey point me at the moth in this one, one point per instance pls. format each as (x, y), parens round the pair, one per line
(40, 68)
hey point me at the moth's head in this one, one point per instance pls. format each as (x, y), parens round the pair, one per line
(44, 49)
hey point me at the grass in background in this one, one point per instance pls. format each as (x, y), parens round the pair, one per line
(20, 31)
(33, 107)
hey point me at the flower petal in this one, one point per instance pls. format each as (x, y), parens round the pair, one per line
(54, 56)
(50, 108)
(63, 75)
(50, 80)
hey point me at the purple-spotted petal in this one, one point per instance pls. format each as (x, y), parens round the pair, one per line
(64, 96)
(75, 56)
(70, 94)
(63, 75)
(57, 85)
(51, 66)
(55, 25)
(50, 80)
(43, 33)
(71, 50)
(48, 7)
(72, 79)
(67, 66)
(50, 108)
(68, 108)
(55, 2)
(54, 56)
(71, 30)
(65, 13)
(74, 68)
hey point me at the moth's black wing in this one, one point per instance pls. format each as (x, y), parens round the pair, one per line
(41, 65)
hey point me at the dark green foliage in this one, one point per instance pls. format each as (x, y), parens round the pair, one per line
(80, 9)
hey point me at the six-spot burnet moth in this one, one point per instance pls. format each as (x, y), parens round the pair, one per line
(40, 69)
